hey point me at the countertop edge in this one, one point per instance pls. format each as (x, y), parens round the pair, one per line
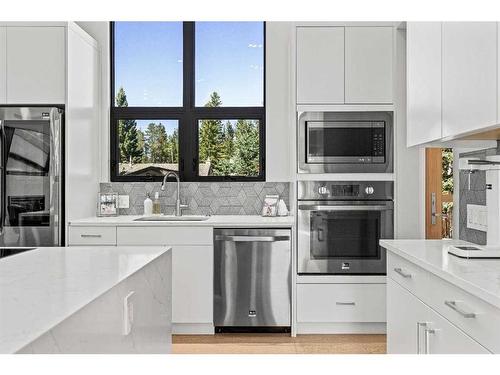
(98, 294)
(467, 286)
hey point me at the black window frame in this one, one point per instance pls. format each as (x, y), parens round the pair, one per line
(188, 116)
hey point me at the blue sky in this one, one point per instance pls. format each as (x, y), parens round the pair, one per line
(229, 60)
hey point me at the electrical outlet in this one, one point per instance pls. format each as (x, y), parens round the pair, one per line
(123, 201)
(477, 217)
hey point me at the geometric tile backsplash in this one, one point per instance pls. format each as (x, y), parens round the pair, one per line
(202, 198)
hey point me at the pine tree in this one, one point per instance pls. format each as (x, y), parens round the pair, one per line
(127, 134)
(156, 139)
(247, 148)
(210, 135)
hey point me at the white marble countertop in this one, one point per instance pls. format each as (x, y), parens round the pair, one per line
(213, 221)
(43, 287)
(480, 277)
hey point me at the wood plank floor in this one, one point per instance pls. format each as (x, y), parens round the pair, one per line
(231, 343)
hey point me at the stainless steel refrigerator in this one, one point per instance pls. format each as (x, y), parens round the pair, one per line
(31, 176)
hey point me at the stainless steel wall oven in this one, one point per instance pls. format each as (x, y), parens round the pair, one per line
(345, 142)
(340, 225)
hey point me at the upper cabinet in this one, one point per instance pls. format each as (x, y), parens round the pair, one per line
(423, 74)
(3, 65)
(452, 80)
(469, 76)
(36, 66)
(320, 65)
(344, 65)
(368, 65)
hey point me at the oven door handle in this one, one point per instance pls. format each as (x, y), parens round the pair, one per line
(317, 207)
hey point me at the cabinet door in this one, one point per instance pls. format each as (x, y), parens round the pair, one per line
(405, 318)
(444, 338)
(469, 76)
(423, 75)
(36, 65)
(192, 284)
(3, 65)
(320, 65)
(368, 64)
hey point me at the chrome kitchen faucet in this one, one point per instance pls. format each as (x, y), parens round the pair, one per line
(178, 206)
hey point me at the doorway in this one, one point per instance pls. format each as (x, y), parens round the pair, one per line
(438, 193)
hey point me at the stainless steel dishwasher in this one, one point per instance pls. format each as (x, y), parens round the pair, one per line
(252, 278)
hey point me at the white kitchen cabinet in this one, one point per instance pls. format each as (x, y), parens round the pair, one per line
(192, 285)
(469, 76)
(320, 65)
(423, 82)
(405, 315)
(36, 65)
(3, 65)
(414, 328)
(368, 65)
(326, 303)
(192, 271)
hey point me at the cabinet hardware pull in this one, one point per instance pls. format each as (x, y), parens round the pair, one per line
(453, 305)
(428, 331)
(90, 235)
(400, 272)
(345, 303)
(419, 325)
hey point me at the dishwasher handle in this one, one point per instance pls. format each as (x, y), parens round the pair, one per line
(251, 238)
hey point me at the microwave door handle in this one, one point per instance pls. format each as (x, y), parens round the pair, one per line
(321, 237)
(308, 207)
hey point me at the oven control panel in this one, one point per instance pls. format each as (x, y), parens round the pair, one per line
(345, 190)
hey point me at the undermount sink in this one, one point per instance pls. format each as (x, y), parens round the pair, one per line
(173, 218)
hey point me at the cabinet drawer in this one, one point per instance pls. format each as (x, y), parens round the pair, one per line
(92, 236)
(165, 235)
(408, 275)
(335, 303)
(475, 317)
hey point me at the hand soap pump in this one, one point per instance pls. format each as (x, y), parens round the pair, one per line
(156, 204)
(148, 206)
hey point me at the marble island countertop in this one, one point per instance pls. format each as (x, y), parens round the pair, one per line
(479, 277)
(41, 288)
(213, 221)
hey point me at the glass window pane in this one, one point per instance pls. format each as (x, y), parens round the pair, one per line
(229, 61)
(148, 64)
(229, 148)
(148, 147)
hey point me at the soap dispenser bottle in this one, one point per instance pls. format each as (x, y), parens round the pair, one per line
(148, 206)
(156, 204)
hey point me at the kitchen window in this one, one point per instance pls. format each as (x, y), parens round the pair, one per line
(187, 97)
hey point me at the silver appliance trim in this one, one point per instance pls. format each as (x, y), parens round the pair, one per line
(252, 238)
(307, 163)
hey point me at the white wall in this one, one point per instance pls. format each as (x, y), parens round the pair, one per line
(408, 194)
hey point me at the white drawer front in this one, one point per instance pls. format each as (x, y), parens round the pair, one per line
(165, 236)
(406, 274)
(81, 236)
(477, 318)
(322, 303)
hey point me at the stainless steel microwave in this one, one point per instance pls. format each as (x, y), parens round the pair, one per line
(345, 142)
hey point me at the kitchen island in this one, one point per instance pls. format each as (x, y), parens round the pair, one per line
(86, 300)
(438, 303)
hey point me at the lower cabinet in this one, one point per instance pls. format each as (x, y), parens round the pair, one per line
(415, 328)
(192, 285)
(341, 308)
(192, 266)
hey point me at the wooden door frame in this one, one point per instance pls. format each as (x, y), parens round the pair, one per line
(433, 190)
